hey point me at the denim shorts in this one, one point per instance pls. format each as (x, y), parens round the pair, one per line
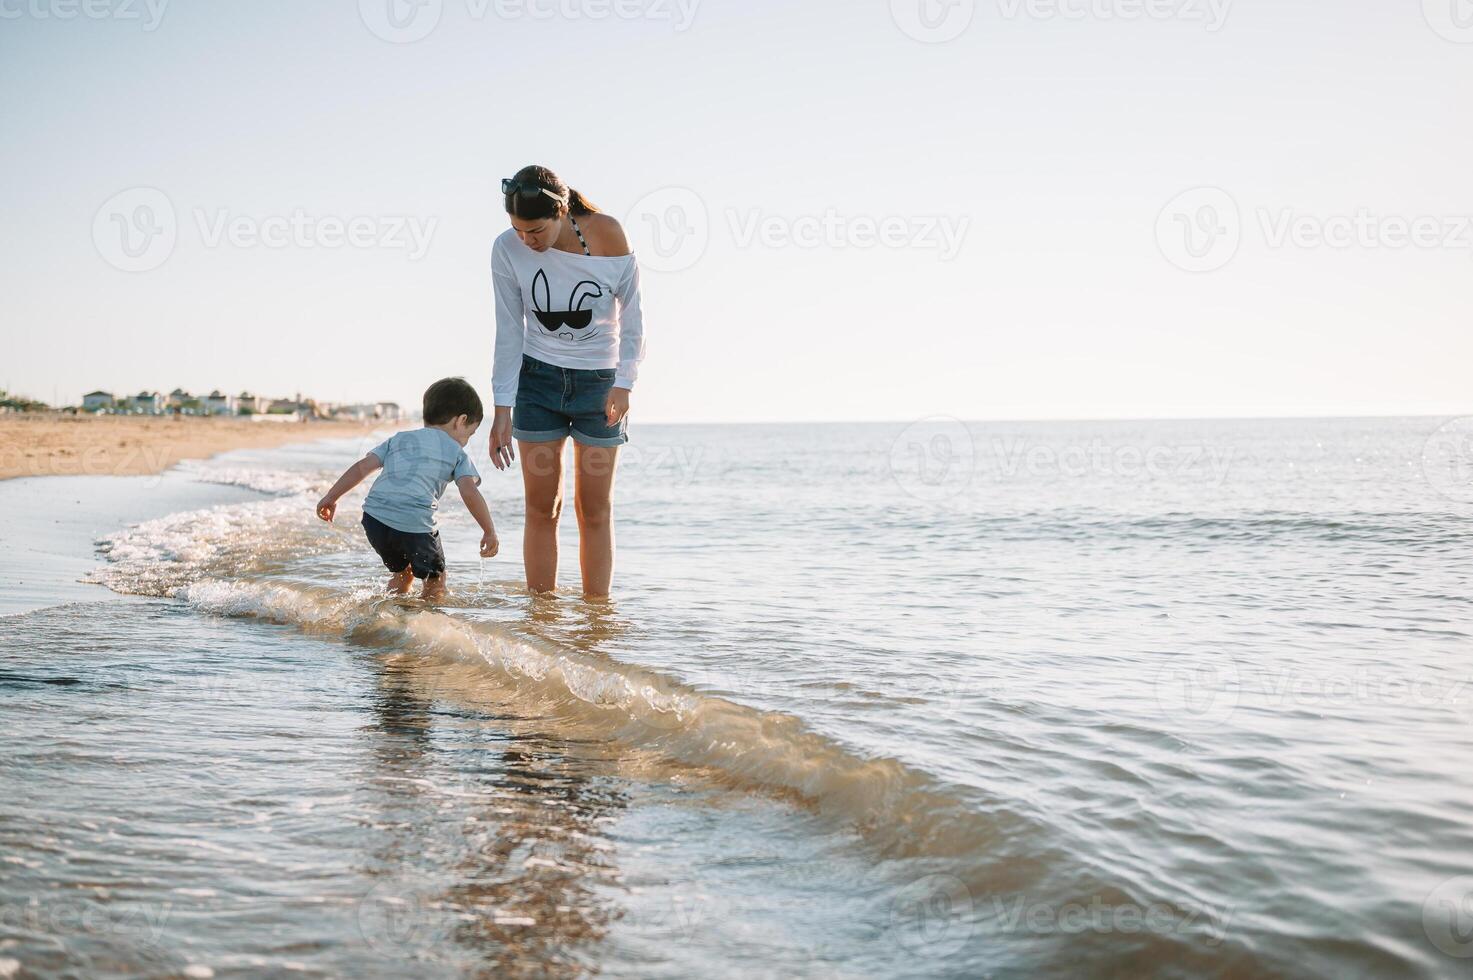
(553, 401)
(405, 549)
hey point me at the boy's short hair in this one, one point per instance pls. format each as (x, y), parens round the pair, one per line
(449, 398)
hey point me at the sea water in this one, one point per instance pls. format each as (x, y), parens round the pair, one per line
(941, 699)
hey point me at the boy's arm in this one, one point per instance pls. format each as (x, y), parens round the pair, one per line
(476, 504)
(327, 507)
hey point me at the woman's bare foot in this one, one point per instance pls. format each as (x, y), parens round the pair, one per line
(399, 584)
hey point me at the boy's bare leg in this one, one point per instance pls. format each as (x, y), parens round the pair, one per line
(400, 582)
(434, 588)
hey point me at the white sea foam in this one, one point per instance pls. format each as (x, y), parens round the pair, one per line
(278, 483)
(159, 556)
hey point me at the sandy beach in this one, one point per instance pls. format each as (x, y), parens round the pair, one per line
(50, 444)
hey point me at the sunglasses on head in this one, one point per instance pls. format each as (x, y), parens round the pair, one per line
(510, 185)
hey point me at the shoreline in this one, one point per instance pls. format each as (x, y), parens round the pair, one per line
(44, 445)
(48, 544)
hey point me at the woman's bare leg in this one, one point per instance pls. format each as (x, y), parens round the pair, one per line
(542, 479)
(593, 501)
(434, 588)
(400, 582)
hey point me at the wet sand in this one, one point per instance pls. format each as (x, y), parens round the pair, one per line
(47, 540)
(120, 445)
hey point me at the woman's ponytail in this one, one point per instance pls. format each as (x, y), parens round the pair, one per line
(578, 204)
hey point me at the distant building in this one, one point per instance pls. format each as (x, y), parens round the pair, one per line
(147, 403)
(178, 397)
(248, 404)
(219, 404)
(302, 408)
(386, 411)
(94, 400)
(361, 413)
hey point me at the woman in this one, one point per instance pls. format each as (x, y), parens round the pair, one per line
(569, 339)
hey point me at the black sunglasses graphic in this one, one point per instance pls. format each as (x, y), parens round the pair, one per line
(574, 318)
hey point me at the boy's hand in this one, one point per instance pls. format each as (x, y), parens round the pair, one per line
(327, 509)
(489, 545)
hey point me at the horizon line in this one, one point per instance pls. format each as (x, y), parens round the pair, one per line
(1066, 418)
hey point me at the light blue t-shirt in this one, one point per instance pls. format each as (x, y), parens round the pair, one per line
(418, 465)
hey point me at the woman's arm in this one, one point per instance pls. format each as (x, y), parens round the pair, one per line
(631, 345)
(631, 328)
(511, 328)
(511, 335)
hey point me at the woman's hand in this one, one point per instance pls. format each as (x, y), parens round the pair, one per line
(502, 453)
(327, 509)
(616, 406)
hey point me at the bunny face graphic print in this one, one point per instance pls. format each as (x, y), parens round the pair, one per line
(573, 321)
(569, 310)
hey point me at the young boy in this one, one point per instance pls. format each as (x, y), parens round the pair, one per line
(399, 512)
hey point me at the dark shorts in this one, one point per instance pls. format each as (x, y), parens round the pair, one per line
(405, 549)
(554, 401)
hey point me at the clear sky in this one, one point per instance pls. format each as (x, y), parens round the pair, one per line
(844, 209)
